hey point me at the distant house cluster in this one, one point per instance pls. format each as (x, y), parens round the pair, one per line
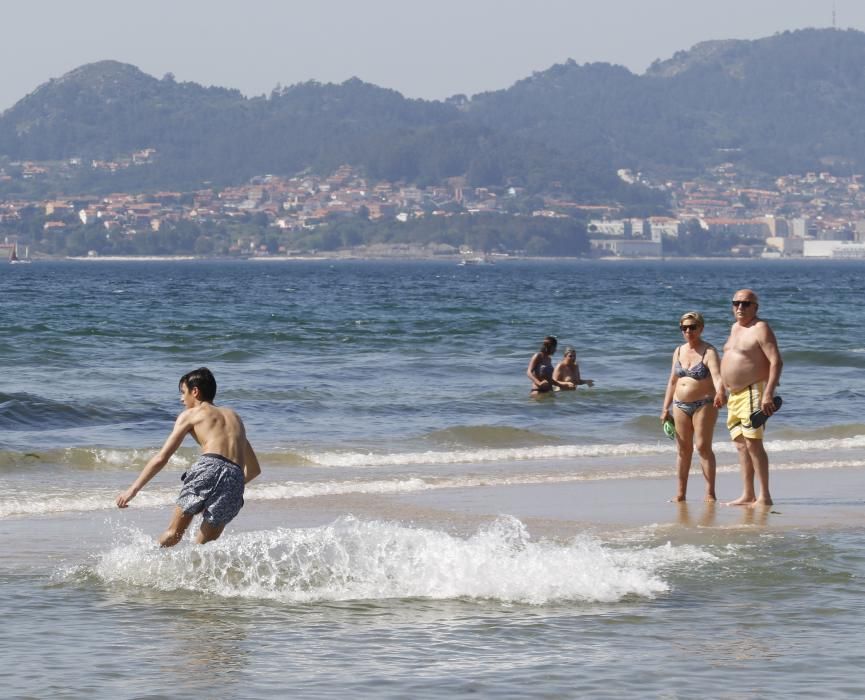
(810, 215)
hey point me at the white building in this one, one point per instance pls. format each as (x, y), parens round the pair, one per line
(663, 226)
(799, 228)
(785, 246)
(627, 248)
(605, 227)
(833, 249)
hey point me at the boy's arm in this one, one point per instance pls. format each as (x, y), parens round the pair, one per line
(251, 467)
(181, 427)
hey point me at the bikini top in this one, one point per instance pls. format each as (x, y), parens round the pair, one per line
(544, 368)
(698, 371)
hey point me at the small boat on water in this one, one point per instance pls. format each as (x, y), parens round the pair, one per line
(475, 261)
(15, 260)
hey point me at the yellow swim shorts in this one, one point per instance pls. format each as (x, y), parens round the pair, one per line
(740, 406)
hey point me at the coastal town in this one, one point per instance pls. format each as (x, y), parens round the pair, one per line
(807, 215)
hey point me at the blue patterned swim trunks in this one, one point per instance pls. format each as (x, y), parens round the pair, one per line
(214, 485)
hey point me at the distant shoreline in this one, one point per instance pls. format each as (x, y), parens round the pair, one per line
(128, 258)
(415, 258)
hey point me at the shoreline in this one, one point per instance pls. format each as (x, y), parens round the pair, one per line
(456, 259)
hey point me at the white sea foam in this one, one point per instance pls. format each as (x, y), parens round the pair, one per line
(368, 560)
(22, 503)
(557, 452)
(549, 452)
(103, 456)
(52, 500)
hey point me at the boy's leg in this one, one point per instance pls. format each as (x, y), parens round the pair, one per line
(174, 532)
(209, 532)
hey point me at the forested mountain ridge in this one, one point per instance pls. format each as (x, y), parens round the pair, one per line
(787, 103)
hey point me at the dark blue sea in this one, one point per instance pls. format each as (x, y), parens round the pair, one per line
(423, 527)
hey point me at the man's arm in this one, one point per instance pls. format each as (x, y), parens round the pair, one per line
(769, 346)
(251, 467)
(181, 427)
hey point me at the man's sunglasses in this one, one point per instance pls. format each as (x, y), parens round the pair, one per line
(743, 304)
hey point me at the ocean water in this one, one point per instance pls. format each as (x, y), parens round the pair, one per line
(423, 527)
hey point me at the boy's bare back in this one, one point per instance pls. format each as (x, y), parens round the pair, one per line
(218, 431)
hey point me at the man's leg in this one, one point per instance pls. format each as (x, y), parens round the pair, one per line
(747, 465)
(209, 532)
(174, 533)
(760, 462)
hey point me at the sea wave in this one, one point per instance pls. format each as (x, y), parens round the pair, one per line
(486, 435)
(90, 458)
(831, 357)
(52, 500)
(23, 411)
(839, 438)
(352, 559)
(351, 458)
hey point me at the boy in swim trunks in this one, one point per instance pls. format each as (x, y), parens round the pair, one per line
(751, 369)
(214, 485)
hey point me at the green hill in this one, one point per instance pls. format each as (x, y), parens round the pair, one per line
(786, 103)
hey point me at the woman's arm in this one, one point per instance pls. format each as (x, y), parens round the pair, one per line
(714, 364)
(579, 380)
(670, 392)
(530, 371)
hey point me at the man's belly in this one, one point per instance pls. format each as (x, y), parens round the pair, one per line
(737, 375)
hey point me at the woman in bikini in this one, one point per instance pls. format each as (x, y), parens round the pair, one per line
(694, 393)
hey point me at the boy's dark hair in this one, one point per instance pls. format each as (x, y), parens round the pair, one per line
(549, 344)
(203, 379)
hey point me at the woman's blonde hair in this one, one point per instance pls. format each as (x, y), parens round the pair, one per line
(695, 316)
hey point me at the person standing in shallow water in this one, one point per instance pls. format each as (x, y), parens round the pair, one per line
(751, 370)
(567, 372)
(694, 393)
(214, 485)
(540, 369)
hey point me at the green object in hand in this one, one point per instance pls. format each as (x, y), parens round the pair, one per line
(670, 429)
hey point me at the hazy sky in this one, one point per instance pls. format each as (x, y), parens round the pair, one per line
(430, 49)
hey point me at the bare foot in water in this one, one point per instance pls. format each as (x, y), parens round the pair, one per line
(710, 498)
(677, 499)
(762, 502)
(742, 501)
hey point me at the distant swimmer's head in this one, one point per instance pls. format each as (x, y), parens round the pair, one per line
(549, 345)
(201, 379)
(692, 318)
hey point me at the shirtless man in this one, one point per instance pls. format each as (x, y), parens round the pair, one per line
(214, 484)
(751, 370)
(567, 372)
